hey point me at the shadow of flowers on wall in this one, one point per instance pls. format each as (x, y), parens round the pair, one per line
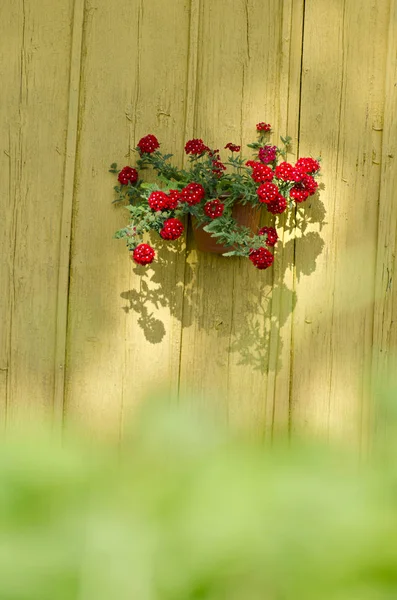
(226, 298)
(160, 286)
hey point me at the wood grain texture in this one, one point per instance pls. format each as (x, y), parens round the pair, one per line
(231, 328)
(341, 120)
(385, 332)
(124, 326)
(154, 312)
(258, 369)
(34, 63)
(66, 220)
(288, 348)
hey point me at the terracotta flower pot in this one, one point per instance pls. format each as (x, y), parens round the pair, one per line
(245, 215)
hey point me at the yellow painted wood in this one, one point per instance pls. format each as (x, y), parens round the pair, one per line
(341, 120)
(34, 64)
(154, 297)
(10, 67)
(83, 80)
(124, 326)
(208, 300)
(385, 336)
(66, 222)
(262, 305)
(99, 268)
(283, 293)
(230, 339)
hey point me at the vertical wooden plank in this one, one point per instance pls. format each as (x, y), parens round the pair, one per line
(154, 323)
(248, 71)
(208, 300)
(280, 49)
(385, 319)
(10, 69)
(283, 293)
(341, 120)
(124, 322)
(66, 222)
(96, 323)
(34, 65)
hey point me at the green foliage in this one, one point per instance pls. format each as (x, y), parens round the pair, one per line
(186, 511)
(230, 183)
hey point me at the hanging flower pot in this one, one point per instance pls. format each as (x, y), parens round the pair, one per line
(224, 199)
(245, 215)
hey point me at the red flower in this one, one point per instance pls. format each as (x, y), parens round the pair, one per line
(193, 193)
(261, 258)
(232, 147)
(298, 194)
(143, 254)
(287, 172)
(267, 154)
(172, 229)
(310, 184)
(158, 200)
(277, 206)
(267, 192)
(128, 174)
(305, 188)
(173, 198)
(195, 146)
(308, 165)
(260, 172)
(271, 234)
(148, 144)
(214, 208)
(263, 126)
(218, 167)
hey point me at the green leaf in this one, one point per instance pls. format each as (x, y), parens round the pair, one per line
(286, 140)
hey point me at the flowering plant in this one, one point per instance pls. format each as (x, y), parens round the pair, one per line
(209, 190)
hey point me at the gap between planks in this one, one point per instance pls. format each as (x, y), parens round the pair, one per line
(67, 209)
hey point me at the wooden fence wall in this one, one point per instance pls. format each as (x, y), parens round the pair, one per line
(84, 334)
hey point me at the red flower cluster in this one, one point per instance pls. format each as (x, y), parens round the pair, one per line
(307, 165)
(271, 234)
(172, 229)
(263, 127)
(214, 209)
(232, 147)
(277, 206)
(305, 188)
(148, 144)
(287, 172)
(128, 174)
(158, 201)
(267, 192)
(276, 185)
(193, 193)
(174, 197)
(195, 146)
(267, 154)
(143, 254)
(261, 258)
(217, 165)
(260, 172)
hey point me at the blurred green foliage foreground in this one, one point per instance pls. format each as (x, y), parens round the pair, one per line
(187, 511)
